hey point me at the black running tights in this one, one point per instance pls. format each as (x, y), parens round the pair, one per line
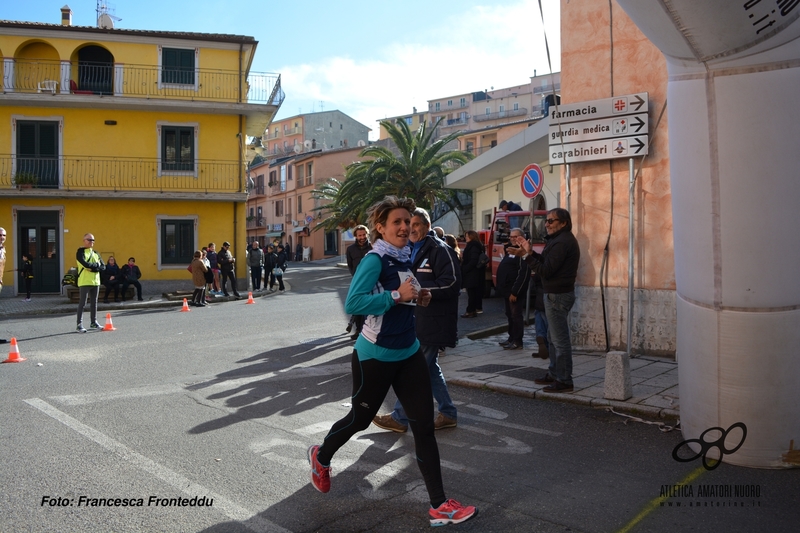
(371, 382)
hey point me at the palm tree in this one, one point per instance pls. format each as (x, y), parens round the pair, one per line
(417, 170)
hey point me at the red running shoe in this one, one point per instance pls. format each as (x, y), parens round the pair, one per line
(320, 475)
(451, 512)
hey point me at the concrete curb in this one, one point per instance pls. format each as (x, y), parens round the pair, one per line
(577, 399)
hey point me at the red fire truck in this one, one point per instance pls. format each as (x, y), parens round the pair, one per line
(495, 238)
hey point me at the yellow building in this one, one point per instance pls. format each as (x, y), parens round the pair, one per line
(135, 136)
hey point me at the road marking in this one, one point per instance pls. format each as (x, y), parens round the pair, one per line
(141, 392)
(249, 519)
(488, 412)
(656, 503)
(509, 425)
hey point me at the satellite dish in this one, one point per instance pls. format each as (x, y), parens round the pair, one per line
(297, 148)
(361, 143)
(307, 144)
(105, 21)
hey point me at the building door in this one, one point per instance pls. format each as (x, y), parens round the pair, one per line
(38, 237)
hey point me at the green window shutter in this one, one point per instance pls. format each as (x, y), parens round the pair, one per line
(177, 66)
(177, 148)
(26, 139)
(177, 241)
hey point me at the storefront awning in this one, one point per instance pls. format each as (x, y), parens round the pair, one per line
(298, 229)
(274, 234)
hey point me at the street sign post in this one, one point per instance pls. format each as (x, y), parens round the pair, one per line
(532, 181)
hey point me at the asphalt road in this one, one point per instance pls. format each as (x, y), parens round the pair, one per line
(222, 402)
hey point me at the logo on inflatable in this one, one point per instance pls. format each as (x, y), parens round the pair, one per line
(707, 446)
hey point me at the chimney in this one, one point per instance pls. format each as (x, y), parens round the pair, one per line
(66, 16)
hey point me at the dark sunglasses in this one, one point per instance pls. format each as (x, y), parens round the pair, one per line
(89, 240)
(550, 220)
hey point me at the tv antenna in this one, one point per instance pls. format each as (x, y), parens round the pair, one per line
(105, 15)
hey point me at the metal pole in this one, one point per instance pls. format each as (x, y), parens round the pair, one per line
(630, 256)
(566, 186)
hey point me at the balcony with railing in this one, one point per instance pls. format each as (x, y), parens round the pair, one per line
(255, 222)
(142, 81)
(521, 112)
(547, 89)
(111, 174)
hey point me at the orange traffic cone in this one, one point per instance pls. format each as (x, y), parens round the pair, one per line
(13, 353)
(109, 325)
(185, 308)
(250, 298)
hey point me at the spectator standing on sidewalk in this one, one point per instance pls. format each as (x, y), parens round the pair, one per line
(513, 276)
(473, 276)
(226, 263)
(387, 354)
(211, 254)
(436, 267)
(355, 253)
(558, 267)
(280, 264)
(26, 273)
(255, 260)
(90, 264)
(199, 270)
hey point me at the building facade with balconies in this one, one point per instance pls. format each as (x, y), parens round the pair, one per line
(135, 136)
(288, 207)
(324, 130)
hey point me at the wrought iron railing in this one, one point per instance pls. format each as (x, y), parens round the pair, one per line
(144, 81)
(522, 111)
(118, 174)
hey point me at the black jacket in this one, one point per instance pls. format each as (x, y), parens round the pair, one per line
(473, 276)
(128, 273)
(280, 260)
(355, 254)
(225, 260)
(436, 268)
(558, 262)
(512, 276)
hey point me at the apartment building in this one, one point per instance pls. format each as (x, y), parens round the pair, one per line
(325, 130)
(281, 206)
(136, 136)
(414, 120)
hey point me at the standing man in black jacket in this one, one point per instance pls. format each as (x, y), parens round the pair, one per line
(355, 253)
(226, 263)
(558, 267)
(513, 276)
(436, 267)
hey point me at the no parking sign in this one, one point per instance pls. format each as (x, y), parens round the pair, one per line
(532, 180)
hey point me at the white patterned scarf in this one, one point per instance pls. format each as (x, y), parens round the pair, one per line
(384, 248)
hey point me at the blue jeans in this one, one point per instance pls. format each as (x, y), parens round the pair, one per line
(438, 387)
(556, 307)
(540, 321)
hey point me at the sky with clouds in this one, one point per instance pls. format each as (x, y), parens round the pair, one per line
(369, 59)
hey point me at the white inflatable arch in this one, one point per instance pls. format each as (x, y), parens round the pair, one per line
(734, 141)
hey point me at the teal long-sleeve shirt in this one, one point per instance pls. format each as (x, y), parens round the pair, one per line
(361, 300)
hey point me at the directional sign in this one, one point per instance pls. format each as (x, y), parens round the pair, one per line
(598, 150)
(604, 128)
(532, 181)
(594, 109)
(599, 129)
